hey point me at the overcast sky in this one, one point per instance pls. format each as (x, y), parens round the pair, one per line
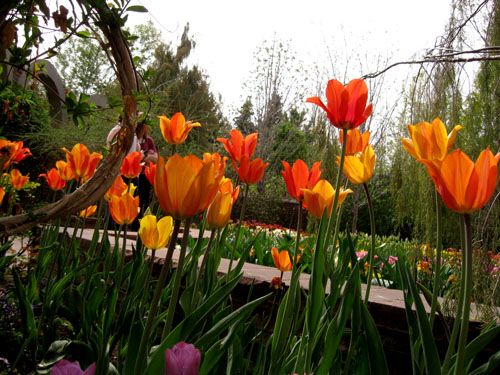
(228, 32)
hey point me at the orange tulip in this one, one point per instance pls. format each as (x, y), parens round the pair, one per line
(119, 188)
(155, 235)
(65, 170)
(359, 168)
(185, 186)
(220, 162)
(299, 177)
(131, 165)
(17, 179)
(346, 105)
(465, 186)
(89, 211)
(250, 172)
(282, 259)
(19, 152)
(54, 179)
(12, 152)
(2, 194)
(176, 130)
(321, 197)
(124, 209)
(239, 147)
(219, 212)
(429, 141)
(82, 162)
(356, 142)
(150, 171)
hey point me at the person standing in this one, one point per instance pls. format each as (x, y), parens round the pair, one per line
(149, 154)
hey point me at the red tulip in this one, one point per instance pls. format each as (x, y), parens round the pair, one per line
(131, 165)
(346, 107)
(150, 171)
(239, 147)
(250, 172)
(54, 179)
(299, 177)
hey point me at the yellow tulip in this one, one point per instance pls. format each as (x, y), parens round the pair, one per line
(155, 235)
(219, 212)
(359, 168)
(429, 141)
(321, 197)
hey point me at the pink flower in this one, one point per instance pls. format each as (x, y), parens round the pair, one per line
(392, 259)
(64, 367)
(182, 359)
(361, 254)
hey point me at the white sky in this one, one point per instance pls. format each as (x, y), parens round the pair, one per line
(228, 32)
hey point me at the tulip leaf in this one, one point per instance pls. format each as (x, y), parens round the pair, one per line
(489, 366)
(337, 325)
(316, 296)
(241, 314)
(478, 344)
(27, 316)
(284, 320)
(431, 356)
(378, 364)
(184, 329)
(133, 346)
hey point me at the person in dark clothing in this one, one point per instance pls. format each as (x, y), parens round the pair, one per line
(149, 154)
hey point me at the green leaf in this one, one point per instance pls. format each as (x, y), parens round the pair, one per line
(133, 346)
(27, 315)
(241, 314)
(488, 367)
(337, 326)
(182, 331)
(137, 8)
(374, 346)
(56, 352)
(316, 296)
(83, 34)
(479, 343)
(431, 356)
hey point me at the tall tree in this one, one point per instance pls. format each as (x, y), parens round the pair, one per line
(244, 120)
(178, 87)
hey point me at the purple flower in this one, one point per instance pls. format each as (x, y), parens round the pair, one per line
(182, 359)
(64, 367)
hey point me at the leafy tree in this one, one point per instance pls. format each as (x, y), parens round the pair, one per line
(83, 66)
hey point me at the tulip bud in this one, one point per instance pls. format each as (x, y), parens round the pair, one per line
(182, 359)
(64, 367)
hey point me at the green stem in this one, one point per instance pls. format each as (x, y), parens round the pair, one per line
(141, 355)
(458, 317)
(437, 263)
(238, 232)
(333, 216)
(177, 282)
(213, 276)
(467, 265)
(122, 259)
(148, 279)
(199, 274)
(297, 239)
(372, 250)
